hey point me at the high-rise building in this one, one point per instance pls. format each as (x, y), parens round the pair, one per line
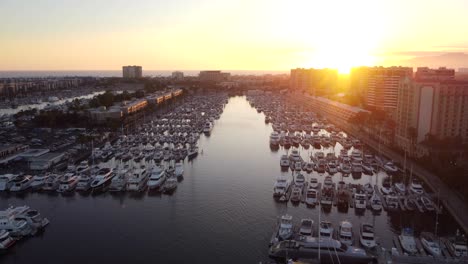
(317, 82)
(178, 75)
(433, 105)
(213, 76)
(132, 72)
(440, 74)
(382, 86)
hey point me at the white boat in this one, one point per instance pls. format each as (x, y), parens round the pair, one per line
(170, 185)
(207, 127)
(157, 178)
(119, 182)
(68, 183)
(457, 246)
(281, 187)
(369, 189)
(400, 187)
(331, 168)
(192, 153)
(367, 236)
(21, 183)
(52, 183)
(345, 233)
(32, 217)
(360, 201)
(390, 168)
(311, 196)
(179, 170)
(82, 168)
(284, 161)
(427, 203)
(6, 181)
(6, 241)
(392, 202)
(416, 187)
(299, 180)
(306, 227)
(16, 227)
(430, 244)
(137, 182)
(274, 138)
(84, 183)
(296, 194)
(309, 167)
(386, 186)
(407, 241)
(285, 230)
(375, 202)
(102, 179)
(313, 183)
(295, 156)
(345, 168)
(297, 166)
(326, 230)
(356, 156)
(38, 181)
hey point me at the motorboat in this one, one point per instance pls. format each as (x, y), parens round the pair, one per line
(6, 181)
(137, 182)
(427, 203)
(281, 187)
(369, 189)
(16, 227)
(309, 167)
(407, 241)
(82, 168)
(367, 168)
(328, 183)
(416, 187)
(400, 187)
(284, 161)
(392, 202)
(84, 183)
(295, 156)
(306, 227)
(21, 183)
(207, 127)
(430, 244)
(157, 178)
(296, 194)
(409, 204)
(313, 183)
(179, 170)
(457, 246)
(386, 186)
(32, 217)
(274, 138)
(356, 156)
(68, 183)
(311, 196)
(192, 152)
(360, 201)
(299, 180)
(325, 230)
(375, 203)
(169, 185)
(367, 236)
(345, 168)
(356, 169)
(285, 230)
(297, 165)
(52, 183)
(390, 168)
(119, 182)
(38, 181)
(6, 241)
(102, 179)
(345, 233)
(329, 250)
(331, 168)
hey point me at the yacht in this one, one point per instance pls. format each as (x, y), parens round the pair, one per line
(375, 203)
(345, 233)
(360, 201)
(284, 161)
(281, 187)
(369, 189)
(297, 166)
(345, 168)
(193, 152)
(102, 179)
(356, 169)
(386, 186)
(457, 246)
(306, 227)
(416, 187)
(119, 182)
(207, 127)
(295, 156)
(367, 236)
(356, 156)
(285, 230)
(274, 138)
(16, 227)
(21, 183)
(400, 187)
(6, 181)
(52, 183)
(32, 217)
(325, 230)
(407, 241)
(84, 183)
(430, 244)
(390, 168)
(157, 178)
(392, 202)
(309, 167)
(299, 181)
(170, 185)
(313, 183)
(137, 182)
(38, 181)
(296, 194)
(427, 203)
(179, 170)
(311, 196)
(82, 168)
(6, 241)
(68, 183)
(331, 168)
(330, 250)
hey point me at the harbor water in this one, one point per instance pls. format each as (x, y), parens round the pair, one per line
(223, 211)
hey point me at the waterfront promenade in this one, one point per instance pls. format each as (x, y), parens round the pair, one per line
(455, 204)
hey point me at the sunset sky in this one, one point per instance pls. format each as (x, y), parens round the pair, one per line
(217, 34)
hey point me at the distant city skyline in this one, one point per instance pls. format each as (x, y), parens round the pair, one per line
(237, 35)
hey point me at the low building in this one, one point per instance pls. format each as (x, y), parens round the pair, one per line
(103, 113)
(135, 106)
(45, 161)
(33, 153)
(213, 76)
(177, 76)
(9, 152)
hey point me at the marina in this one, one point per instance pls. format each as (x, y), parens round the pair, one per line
(230, 182)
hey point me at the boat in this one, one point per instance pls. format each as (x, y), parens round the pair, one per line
(325, 230)
(329, 250)
(427, 203)
(345, 233)
(119, 182)
(296, 194)
(386, 186)
(311, 196)
(331, 168)
(32, 217)
(416, 187)
(369, 189)
(52, 183)
(170, 185)
(6, 241)
(38, 181)
(68, 183)
(284, 161)
(356, 156)
(309, 167)
(409, 204)
(430, 244)
(179, 170)
(367, 168)
(297, 165)
(299, 180)
(367, 236)
(390, 168)
(306, 227)
(457, 246)
(392, 202)
(82, 168)
(84, 183)
(6, 181)
(356, 169)
(207, 127)
(281, 187)
(295, 156)
(360, 201)
(407, 241)
(21, 183)
(16, 227)
(400, 188)
(274, 138)
(345, 168)
(102, 179)
(375, 203)
(313, 183)
(137, 181)
(192, 152)
(285, 230)
(157, 178)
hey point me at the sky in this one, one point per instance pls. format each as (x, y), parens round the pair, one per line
(226, 35)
